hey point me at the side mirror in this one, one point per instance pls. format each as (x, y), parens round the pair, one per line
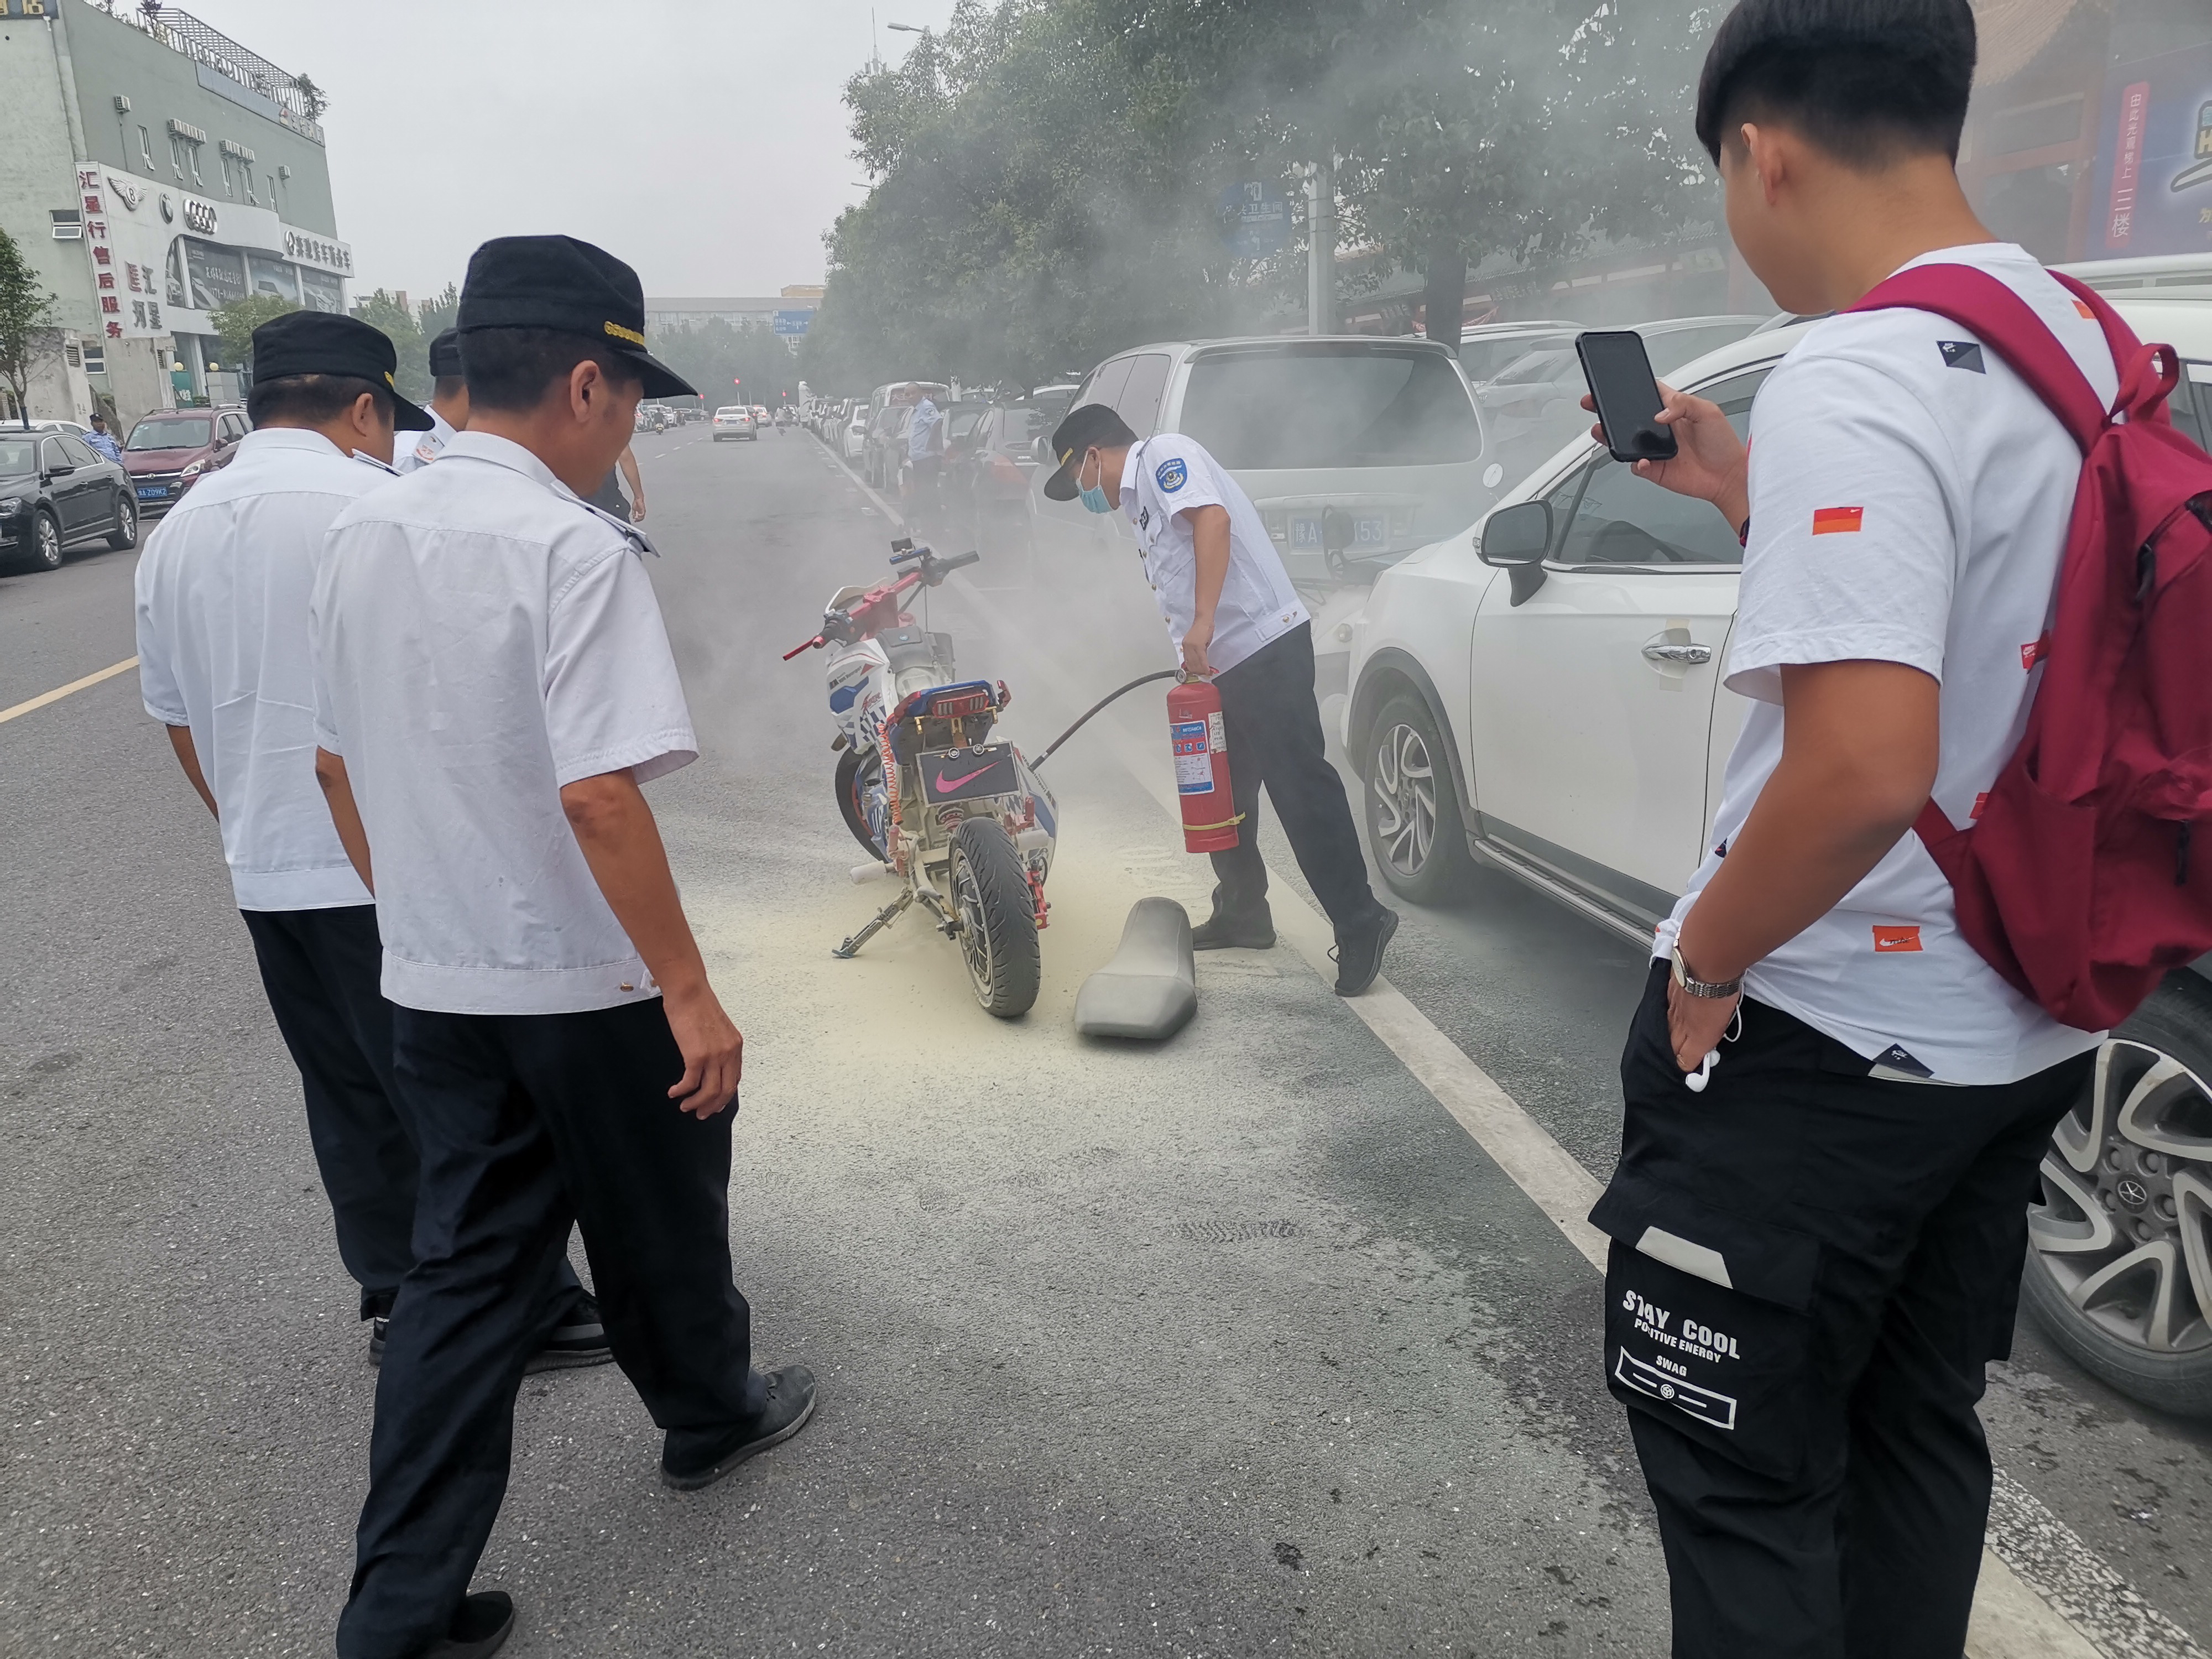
(1515, 539)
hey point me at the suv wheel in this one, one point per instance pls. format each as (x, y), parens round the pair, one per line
(45, 541)
(2119, 1267)
(1412, 811)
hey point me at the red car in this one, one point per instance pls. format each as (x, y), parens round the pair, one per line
(168, 450)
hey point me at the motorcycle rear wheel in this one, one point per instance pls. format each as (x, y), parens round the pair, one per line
(998, 918)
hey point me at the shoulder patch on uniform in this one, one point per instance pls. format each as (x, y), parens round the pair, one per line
(1170, 473)
(1962, 354)
(630, 533)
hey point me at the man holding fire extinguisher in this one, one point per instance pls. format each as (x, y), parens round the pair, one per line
(1233, 614)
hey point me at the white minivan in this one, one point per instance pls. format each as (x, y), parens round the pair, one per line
(1356, 449)
(1544, 695)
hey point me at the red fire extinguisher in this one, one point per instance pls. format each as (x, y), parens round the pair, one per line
(1201, 764)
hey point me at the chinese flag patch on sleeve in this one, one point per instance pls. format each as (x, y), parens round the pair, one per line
(1838, 520)
(1887, 939)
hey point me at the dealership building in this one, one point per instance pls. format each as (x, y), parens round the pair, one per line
(154, 170)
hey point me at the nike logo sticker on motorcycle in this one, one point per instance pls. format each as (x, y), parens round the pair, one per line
(945, 786)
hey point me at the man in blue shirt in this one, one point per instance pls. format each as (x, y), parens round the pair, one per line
(925, 451)
(101, 441)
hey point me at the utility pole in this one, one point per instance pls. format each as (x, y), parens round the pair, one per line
(1321, 246)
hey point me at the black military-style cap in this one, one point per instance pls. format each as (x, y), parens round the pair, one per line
(446, 354)
(324, 343)
(559, 282)
(1093, 425)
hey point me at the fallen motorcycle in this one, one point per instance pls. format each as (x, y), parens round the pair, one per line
(963, 822)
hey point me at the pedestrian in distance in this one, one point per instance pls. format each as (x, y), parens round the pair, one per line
(609, 497)
(448, 409)
(101, 441)
(924, 455)
(1835, 1106)
(1233, 617)
(223, 595)
(492, 684)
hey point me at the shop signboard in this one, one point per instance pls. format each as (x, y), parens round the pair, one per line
(1256, 220)
(2154, 188)
(214, 276)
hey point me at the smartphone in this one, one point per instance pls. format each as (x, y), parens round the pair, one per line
(1626, 394)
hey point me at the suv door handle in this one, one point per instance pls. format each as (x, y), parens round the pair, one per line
(1660, 650)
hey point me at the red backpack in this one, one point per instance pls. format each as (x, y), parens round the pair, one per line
(2078, 880)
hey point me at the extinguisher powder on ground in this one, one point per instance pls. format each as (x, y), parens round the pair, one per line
(1201, 762)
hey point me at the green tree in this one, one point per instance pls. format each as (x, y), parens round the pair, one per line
(716, 355)
(236, 322)
(28, 323)
(433, 316)
(382, 311)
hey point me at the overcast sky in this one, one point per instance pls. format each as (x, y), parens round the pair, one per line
(701, 140)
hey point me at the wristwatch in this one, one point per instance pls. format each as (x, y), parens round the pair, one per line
(1710, 990)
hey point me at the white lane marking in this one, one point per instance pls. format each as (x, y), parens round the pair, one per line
(61, 691)
(2050, 1584)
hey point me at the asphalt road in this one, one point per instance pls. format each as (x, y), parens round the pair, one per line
(1237, 1346)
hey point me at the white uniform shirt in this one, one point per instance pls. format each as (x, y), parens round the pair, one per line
(223, 595)
(1164, 479)
(482, 638)
(411, 450)
(1909, 498)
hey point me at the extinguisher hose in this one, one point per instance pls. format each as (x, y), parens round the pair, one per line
(1163, 674)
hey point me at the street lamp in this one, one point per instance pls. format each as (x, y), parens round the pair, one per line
(906, 28)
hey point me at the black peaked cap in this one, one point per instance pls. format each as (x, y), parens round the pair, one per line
(324, 343)
(559, 282)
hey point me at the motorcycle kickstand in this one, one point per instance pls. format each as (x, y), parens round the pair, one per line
(884, 918)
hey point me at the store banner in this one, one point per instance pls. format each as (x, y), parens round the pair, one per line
(2154, 154)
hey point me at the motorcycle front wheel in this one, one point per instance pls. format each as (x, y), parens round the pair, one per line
(857, 768)
(998, 918)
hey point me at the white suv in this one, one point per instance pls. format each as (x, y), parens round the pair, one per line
(1544, 695)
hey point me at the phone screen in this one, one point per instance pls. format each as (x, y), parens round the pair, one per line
(1626, 394)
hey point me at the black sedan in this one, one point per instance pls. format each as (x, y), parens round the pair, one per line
(56, 494)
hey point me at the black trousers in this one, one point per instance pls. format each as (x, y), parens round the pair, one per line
(529, 1122)
(1811, 1270)
(322, 970)
(1273, 726)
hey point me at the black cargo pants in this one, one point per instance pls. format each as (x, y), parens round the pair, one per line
(1273, 726)
(1811, 1269)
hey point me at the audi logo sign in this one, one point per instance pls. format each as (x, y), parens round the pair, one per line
(199, 216)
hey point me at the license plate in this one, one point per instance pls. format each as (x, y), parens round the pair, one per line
(1305, 532)
(964, 773)
(152, 492)
(1370, 530)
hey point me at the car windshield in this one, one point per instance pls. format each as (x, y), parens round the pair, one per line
(1330, 404)
(190, 433)
(1486, 360)
(1670, 350)
(1540, 366)
(18, 456)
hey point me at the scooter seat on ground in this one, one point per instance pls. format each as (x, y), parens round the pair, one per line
(1150, 989)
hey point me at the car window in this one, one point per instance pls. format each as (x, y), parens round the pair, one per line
(185, 432)
(77, 454)
(1540, 366)
(1105, 384)
(18, 457)
(1669, 351)
(1483, 359)
(962, 424)
(1603, 514)
(1330, 403)
(1139, 402)
(50, 454)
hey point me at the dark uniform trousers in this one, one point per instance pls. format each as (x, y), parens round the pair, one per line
(1273, 726)
(530, 1122)
(322, 971)
(1811, 1270)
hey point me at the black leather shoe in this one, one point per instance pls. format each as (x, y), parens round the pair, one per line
(790, 1403)
(578, 1340)
(480, 1629)
(1225, 932)
(1360, 953)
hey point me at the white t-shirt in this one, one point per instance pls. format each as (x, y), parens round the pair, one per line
(1165, 477)
(411, 450)
(222, 591)
(1910, 498)
(482, 638)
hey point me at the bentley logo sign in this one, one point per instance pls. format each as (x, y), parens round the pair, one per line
(130, 194)
(199, 216)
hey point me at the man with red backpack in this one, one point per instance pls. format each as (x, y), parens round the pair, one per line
(1851, 1054)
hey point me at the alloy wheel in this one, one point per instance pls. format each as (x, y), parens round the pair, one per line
(47, 548)
(974, 924)
(1405, 789)
(2122, 1224)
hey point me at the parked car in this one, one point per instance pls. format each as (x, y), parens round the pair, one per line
(853, 438)
(1487, 349)
(989, 471)
(1355, 449)
(56, 494)
(1534, 404)
(735, 421)
(1544, 694)
(167, 451)
(1047, 405)
(884, 454)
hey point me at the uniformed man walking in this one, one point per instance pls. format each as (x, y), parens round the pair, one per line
(493, 683)
(448, 409)
(1233, 614)
(223, 593)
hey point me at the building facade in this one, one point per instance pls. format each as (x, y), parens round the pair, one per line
(790, 313)
(154, 171)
